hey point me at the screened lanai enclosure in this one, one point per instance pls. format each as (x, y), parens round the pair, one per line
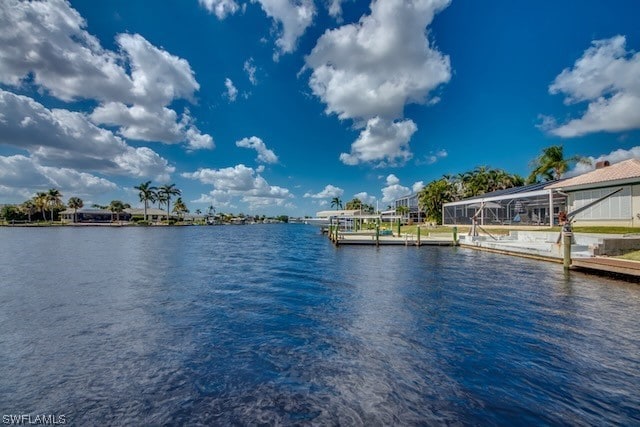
(526, 205)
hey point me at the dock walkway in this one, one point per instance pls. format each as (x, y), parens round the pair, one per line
(609, 265)
(369, 238)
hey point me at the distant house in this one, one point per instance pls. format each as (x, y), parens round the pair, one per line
(621, 209)
(92, 216)
(104, 215)
(337, 212)
(153, 214)
(410, 201)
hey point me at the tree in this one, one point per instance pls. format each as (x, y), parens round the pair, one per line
(54, 200)
(11, 213)
(40, 201)
(354, 204)
(198, 212)
(147, 193)
(117, 207)
(75, 203)
(179, 207)
(551, 164)
(433, 196)
(402, 210)
(29, 208)
(336, 202)
(166, 191)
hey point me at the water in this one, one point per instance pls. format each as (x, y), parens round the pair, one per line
(272, 324)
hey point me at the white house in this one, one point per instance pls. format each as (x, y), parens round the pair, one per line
(621, 209)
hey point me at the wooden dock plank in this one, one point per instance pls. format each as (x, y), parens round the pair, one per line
(611, 265)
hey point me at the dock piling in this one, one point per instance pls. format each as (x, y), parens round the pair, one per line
(567, 236)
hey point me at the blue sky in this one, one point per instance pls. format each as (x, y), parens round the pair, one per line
(274, 107)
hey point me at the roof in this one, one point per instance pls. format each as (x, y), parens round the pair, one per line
(94, 211)
(627, 170)
(150, 211)
(530, 190)
(343, 212)
(516, 190)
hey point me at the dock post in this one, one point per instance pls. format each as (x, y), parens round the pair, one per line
(418, 235)
(567, 236)
(455, 236)
(377, 234)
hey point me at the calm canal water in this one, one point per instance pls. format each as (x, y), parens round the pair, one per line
(272, 324)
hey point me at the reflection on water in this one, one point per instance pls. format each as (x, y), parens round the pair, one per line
(272, 324)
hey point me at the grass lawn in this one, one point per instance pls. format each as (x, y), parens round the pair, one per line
(633, 256)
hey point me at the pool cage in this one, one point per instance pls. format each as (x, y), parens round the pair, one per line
(527, 205)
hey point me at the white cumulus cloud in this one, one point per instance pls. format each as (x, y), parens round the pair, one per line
(615, 156)
(265, 155)
(432, 157)
(67, 139)
(250, 68)
(383, 142)
(417, 186)
(24, 177)
(371, 69)
(221, 8)
(232, 91)
(394, 190)
(292, 17)
(364, 197)
(48, 46)
(335, 8)
(48, 41)
(607, 77)
(329, 192)
(239, 182)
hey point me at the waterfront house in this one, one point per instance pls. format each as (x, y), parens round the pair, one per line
(540, 204)
(153, 214)
(92, 216)
(533, 204)
(413, 213)
(620, 209)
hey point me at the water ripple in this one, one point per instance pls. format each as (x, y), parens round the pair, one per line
(273, 325)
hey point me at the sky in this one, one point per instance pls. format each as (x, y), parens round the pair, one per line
(277, 106)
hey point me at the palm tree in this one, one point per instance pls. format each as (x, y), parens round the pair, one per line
(551, 164)
(117, 207)
(40, 202)
(147, 193)
(75, 203)
(54, 200)
(402, 210)
(336, 202)
(29, 208)
(166, 191)
(198, 212)
(179, 207)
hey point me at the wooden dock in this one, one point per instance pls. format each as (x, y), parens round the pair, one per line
(371, 239)
(608, 265)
